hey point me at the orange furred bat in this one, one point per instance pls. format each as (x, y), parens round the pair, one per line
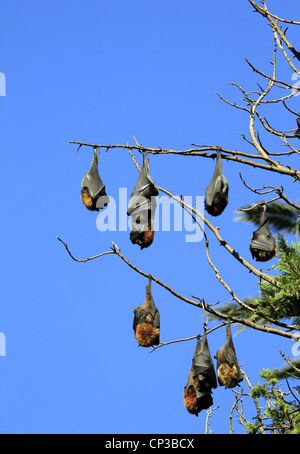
(228, 370)
(146, 323)
(201, 379)
(93, 194)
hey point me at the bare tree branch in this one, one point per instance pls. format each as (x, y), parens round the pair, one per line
(208, 308)
(274, 22)
(202, 151)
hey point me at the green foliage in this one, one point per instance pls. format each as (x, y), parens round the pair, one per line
(288, 371)
(276, 303)
(282, 302)
(278, 414)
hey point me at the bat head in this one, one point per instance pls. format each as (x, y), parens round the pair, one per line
(195, 402)
(142, 229)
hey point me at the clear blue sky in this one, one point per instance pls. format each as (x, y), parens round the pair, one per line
(103, 72)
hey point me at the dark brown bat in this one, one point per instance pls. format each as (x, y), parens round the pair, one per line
(141, 208)
(216, 194)
(263, 246)
(93, 193)
(201, 379)
(228, 370)
(297, 133)
(146, 323)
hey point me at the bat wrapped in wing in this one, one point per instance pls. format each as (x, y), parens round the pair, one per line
(93, 193)
(141, 208)
(228, 370)
(263, 246)
(216, 194)
(297, 133)
(201, 379)
(146, 323)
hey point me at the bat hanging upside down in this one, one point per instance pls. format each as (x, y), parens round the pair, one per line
(141, 208)
(144, 238)
(93, 194)
(263, 246)
(201, 379)
(146, 323)
(228, 370)
(216, 194)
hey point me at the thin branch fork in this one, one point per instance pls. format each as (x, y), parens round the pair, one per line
(163, 344)
(265, 13)
(276, 82)
(253, 112)
(267, 190)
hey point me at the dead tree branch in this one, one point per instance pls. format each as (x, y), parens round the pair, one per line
(115, 250)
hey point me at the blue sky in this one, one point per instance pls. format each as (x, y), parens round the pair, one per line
(103, 72)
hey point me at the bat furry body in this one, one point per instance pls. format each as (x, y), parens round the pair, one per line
(93, 193)
(228, 370)
(263, 256)
(146, 323)
(143, 238)
(190, 401)
(201, 380)
(216, 194)
(141, 208)
(263, 246)
(218, 205)
(228, 375)
(87, 199)
(146, 334)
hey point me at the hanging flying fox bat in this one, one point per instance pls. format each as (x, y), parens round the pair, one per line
(93, 193)
(141, 208)
(263, 246)
(297, 133)
(216, 194)
(201, 379)
(146, 323)
(228, 370)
